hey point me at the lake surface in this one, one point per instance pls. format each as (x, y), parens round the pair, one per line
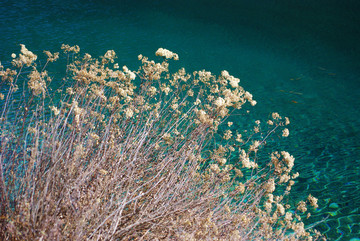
(299, 58)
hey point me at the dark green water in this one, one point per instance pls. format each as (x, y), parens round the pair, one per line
(300, 58)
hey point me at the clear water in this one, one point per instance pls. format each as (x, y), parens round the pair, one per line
(300, 58)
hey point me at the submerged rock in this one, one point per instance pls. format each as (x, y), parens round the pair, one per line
(334, 206)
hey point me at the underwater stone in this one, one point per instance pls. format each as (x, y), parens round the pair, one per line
(334, 206)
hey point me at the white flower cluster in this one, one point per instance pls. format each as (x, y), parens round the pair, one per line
(215, 168)
(249, 97)
(166, 54)
(131, 74)
(234, 82)
(289, 159)
(110, 55)
(270, 185)
(204, 75)
(129, 113)
(313, 201)
(52, 57)
(25, 58)
(67, 48)
(240, 188)
(152, 90)
(37, 82)
(285, 132)
(204, 117)
(219, 102)
(165, 89)
(245, 160)
(55, 110)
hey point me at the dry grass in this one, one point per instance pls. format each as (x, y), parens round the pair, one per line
(143, 155)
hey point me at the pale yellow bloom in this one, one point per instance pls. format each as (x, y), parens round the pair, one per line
(240, 188)
(248, 96)
(287, 121)
(270, 187)
(215, 168)
(36, 82)
(270, 198)
(67, 48)
(313, 201)
(239, 138)
(70, 91)
(174, 106)
(248, 164)
(219, 102)
(285, 132)
(289, 159)
(25, 58)
(197, 102)
(280, 209)
(222, 161)
(254, 147)
(152, 90)
(166, 90)
(129, 113)
(288, 216)
(227, 134)
(275, 115)
(110, 55)
(55, 110)
(234, 82)
(268, 206)
(166, 54)
(52, 57)
(302, 206)
(131, 74)
(190, 92)
(294, 176)
(225, 74)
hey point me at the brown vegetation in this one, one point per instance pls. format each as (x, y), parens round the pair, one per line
(120, 155)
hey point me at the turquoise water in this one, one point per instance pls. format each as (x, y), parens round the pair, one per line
(299, 58)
